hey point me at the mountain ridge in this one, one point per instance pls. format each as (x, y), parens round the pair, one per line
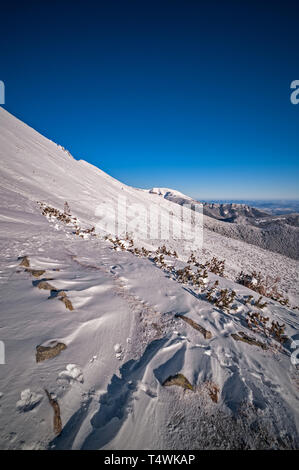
(242, 222)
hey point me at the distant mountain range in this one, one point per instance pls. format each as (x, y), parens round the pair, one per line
(275, 206)
(263, 228)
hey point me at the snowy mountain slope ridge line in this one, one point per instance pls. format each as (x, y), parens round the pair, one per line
(51, 175)
(243, 213)
(84, 186)
(233, 212)
(169, 193)
(243, 222)
(136, 323)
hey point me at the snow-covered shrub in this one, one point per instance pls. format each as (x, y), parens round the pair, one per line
(66, 209)
(265, 286)
(216, 266)
(222, 299)
(259, 323)
(259, 303)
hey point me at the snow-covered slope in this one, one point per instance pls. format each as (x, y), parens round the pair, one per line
(132, 325)
(242, 222)
(39, 169)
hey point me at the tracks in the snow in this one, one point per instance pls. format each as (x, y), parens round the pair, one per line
(148, 324)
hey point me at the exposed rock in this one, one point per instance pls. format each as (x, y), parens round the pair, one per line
(57, 424)
(35, 272)
(206, 334)
(61, 293)
(45, 285)
(178, 379)
(48, 352)
(68, 304)
(57, 293)
(241, 336)
(25, 262)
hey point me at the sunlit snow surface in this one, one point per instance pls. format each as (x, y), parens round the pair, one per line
(123, 339)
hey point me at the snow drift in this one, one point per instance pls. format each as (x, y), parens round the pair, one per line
(114, 367)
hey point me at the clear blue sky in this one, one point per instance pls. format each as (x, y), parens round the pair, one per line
(192, 95)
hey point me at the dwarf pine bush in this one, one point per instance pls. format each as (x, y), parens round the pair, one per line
(265, 286)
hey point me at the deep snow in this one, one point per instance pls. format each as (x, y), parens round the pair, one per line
(124, 337)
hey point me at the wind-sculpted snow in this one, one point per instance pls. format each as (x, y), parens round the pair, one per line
(135, 324)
